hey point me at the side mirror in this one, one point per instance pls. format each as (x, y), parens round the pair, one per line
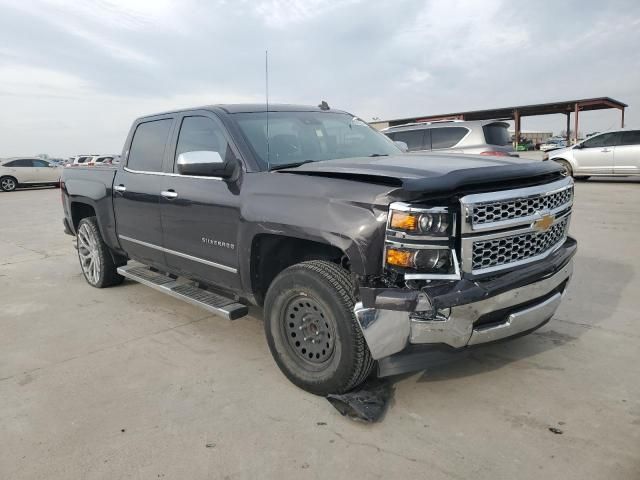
(202, 163)
(401, 145)
(578, 145)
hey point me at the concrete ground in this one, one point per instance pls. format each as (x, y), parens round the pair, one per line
(128, 383)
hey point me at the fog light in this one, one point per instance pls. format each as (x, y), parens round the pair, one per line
(432, 260)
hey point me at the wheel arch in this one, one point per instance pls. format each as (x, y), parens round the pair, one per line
(273, 253)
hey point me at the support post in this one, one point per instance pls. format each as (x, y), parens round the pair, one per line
(568, 129)
(622, 119)
(577, 124)
(516, 115)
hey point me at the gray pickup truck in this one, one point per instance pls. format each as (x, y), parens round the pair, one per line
(360, 255)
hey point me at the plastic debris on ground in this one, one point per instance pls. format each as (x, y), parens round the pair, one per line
(368, 403)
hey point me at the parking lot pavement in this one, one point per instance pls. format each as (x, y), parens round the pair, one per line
(128, 383)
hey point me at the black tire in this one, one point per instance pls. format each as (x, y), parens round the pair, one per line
(566, 166)
(8, 184)
(314, 300)
(582, 178)
(93, 251)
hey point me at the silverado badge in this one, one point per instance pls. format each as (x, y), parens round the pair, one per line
(543, 224)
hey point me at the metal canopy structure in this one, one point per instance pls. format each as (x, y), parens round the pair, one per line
(566, 107)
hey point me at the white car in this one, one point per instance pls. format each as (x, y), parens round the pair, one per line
(610, 153)
(99, 160)
(80, 160)
(16, 172)
(552, 144)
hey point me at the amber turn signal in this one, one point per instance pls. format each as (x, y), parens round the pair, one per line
(400, 258)
(404, 221)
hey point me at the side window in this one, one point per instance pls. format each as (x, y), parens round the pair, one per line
(40, 163)
(20, 163)
(603, 140)
(201, 134)
(413, 139)
(446, 137)
(631, 137)
(148, 144)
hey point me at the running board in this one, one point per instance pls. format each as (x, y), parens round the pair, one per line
(185, 290)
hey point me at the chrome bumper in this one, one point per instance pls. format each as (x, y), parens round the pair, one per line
(389, 331)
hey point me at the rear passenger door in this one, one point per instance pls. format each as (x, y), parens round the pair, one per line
(200, 215)
(136, 191)
(23, 170)
(626, 156)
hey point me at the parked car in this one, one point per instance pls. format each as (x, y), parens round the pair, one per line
(99, 160)
(616, 152)
(486, 137)
(553, 144)
(16, 172)
(80, 160)
(525, 145)
(358, 253)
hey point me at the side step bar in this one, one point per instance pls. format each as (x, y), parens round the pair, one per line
(184, 290)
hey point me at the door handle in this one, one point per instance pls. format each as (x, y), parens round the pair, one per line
(169, 194)
(605, 150)
(120, 188)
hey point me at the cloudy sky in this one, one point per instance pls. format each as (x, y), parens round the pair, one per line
(73, 75)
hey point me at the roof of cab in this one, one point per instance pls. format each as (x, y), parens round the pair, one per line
(250, 108)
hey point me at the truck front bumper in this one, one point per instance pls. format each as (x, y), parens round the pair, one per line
(472, 312)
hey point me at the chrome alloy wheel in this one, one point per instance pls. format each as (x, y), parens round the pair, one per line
(89, 254)
(8, 184)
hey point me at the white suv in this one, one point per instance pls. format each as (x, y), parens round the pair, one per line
(615, 152)
(28, 171)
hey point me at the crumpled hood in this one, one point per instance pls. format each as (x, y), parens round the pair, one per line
(429, 172)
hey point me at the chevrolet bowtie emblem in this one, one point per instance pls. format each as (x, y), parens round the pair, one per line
(543, 224)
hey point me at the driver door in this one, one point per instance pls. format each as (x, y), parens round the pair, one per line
(595, 155)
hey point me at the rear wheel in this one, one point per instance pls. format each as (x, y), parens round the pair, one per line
(8, 184)
(312, 331)
(96, 262)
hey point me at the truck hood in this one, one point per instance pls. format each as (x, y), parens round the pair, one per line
(429, 172)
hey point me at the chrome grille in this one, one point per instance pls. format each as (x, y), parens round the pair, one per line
(488, 254)
(521, 207)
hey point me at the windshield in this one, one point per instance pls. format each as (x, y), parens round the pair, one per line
(300, 137)
(497, 134)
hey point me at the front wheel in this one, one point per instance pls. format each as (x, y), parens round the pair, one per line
(96, 262)
(312, 331)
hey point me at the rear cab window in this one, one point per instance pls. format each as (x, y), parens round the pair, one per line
(146, 153)
(497, 134)
(447, 137)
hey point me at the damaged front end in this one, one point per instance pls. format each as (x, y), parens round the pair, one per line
(484, 268)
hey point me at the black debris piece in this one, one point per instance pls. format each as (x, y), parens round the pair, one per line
(368, 403)
(555, 430)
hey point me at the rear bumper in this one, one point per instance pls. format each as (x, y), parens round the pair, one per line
(480, 313)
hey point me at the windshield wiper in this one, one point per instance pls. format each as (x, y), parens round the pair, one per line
(379, 155)
(289, 165)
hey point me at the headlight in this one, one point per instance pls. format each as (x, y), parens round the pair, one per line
(435, 222)
(420, 243)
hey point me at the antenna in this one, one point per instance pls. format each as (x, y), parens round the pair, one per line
(266, 81)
